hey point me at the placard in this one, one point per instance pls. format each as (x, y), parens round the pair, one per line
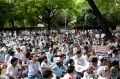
(102, 50)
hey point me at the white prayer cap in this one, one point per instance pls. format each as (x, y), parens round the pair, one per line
(58, 60)
(50, 48)
(100, 57)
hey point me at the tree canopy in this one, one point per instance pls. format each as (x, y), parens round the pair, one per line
(21, 13)
(52, 13)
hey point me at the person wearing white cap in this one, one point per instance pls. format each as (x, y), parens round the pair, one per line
(58, 69)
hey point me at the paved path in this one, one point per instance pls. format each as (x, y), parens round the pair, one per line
(2, 76)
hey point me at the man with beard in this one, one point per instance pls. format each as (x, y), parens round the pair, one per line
(58, 69)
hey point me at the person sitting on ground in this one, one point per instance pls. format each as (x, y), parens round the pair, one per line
(53, 58)
(47, 74)
(12, 54)
(40, 59)
(115, 67)
(45, 65)
(34, 69)
(115, 55)
(13, 69)
(24, 64)
(79, 59)
(101, 61)
(58, 69)
(63, 58)
(7, 56)
(104, 72)
(88, 72)
(94, 63)
(72, 63)
(70, 73)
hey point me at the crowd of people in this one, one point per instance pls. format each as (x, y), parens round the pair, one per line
(69, 54)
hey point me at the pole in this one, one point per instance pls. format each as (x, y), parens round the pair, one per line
(65, 19)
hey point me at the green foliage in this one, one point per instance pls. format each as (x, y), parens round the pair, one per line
(21, 13)
(17, 13)
(108, 8)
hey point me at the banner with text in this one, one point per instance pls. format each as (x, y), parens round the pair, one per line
(102, 50)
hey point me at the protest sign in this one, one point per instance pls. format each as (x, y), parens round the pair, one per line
(102, 50)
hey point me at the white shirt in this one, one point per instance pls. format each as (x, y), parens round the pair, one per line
(87, 76)
(9, 61)
(67, 76)
(46, 65)
(19, 55)
(86, 58)
(74, 50)
(76, 59)
(13, 71)
(99, 63)
(80, 61)
(7, 58)
(49, 55)
(101, 73)
(64, 50)
(2, 57)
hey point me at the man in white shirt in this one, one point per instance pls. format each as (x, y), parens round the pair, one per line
(2, 56)
(88, 72)
(7, 57)
(49, 54)
(45, 65)
(104, 72)
(74, 50)
(100, 61)
(79, 59)
(19, 54)
(64, 50)
(13, 69)
(12, 54)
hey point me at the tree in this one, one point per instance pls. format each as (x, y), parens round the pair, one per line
(3, 13)
(97, 13)
(46, 10)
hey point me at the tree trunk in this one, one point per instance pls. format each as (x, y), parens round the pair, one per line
(49, 26)
(12, 22)
(1, 25)
(100, 18)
